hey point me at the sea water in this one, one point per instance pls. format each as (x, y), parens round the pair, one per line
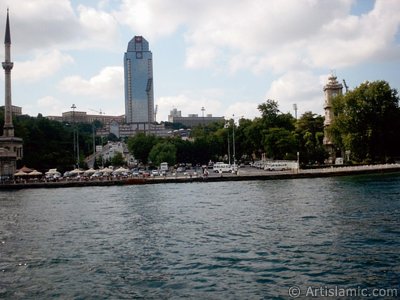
(223, 240)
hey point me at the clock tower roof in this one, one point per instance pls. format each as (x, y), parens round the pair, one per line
(333, 84)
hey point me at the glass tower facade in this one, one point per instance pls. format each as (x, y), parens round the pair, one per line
(138, 71)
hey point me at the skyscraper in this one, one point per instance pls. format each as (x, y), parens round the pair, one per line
(138, 71)
(10, 146)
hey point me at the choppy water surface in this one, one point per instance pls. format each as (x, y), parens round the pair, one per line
(241, 240)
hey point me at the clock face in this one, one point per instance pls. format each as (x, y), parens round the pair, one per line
(334, 94)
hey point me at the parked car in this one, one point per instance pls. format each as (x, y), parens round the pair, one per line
(164, 167)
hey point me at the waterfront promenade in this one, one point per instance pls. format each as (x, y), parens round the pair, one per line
(242, 175)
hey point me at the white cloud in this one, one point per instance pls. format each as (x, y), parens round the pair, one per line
(104, 91)
(49, 24)
(41, 24)
(262, 35)
(154, 18)
(303, 88)
(48, 104)
(99, 27)
(351, 40)
(108, 84)
(189, 103)
(247, 34)
(43, 65)
(294, 40)
(197, 56)
(245, 109)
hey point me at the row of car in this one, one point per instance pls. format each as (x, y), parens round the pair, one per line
(272, 165)
(142, 172)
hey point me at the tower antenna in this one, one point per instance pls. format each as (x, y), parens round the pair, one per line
(345, 86)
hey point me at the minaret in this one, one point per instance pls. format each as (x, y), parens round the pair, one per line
(332, 89)
(10, 146)
(8, 130)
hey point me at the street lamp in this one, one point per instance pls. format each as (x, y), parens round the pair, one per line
(347, 152)
(233, 141)
(298, 161)
(77, 136)
(94, 144)
(202, 114)
(229, 144)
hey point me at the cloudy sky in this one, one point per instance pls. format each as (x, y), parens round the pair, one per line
(227, 56)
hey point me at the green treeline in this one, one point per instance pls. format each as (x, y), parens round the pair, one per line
(365, 127)
(365, 130)
(50, 144)
(278, 135)
(367, 123)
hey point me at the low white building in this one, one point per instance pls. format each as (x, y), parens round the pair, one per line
(108, 151)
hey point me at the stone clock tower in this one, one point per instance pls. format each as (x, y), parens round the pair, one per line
(10, 146)
(331, 89)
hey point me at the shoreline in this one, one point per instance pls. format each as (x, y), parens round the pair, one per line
(296, 174)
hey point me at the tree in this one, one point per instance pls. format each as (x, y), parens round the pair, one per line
(184, 150)
(112, 137)
(310, 134)
(140, 146)
(210, 142)
(118, 160)
(47, 144)
(280, 143)
(269, 109)
(249, 137)
(201, 151)
(366, 122)
(273, 118)
(163, 152)
(277, 134)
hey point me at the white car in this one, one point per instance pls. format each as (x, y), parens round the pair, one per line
(276, 167)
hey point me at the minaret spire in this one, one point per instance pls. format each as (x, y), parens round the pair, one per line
(7, 37)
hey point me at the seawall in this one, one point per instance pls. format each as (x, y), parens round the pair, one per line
(312, 173)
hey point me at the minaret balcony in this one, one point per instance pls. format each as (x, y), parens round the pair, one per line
(8, 65)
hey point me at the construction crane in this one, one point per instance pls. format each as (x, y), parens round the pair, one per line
(345, 86)
(98, 111)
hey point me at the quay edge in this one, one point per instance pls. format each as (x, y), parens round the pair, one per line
(160, 180)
